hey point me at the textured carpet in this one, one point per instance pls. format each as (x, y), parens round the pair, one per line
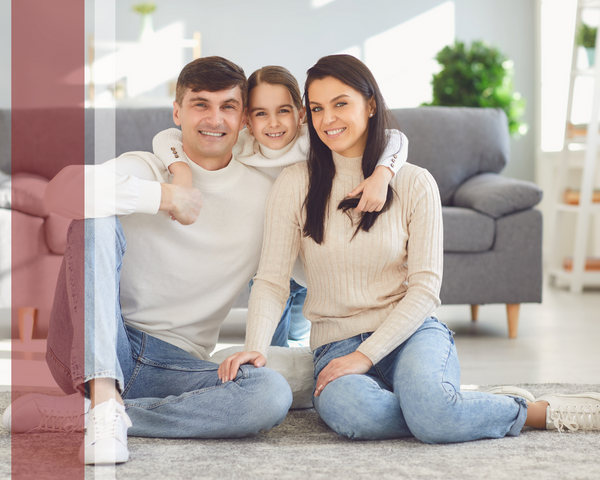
(304, 447)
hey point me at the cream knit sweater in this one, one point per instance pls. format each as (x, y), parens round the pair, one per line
(369, 284)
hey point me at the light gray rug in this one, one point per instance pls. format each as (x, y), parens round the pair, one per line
(304, 447)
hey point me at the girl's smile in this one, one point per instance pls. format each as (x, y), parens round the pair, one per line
(273, 118)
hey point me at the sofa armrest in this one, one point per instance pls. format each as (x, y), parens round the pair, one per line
(26, 194)
(497, 196)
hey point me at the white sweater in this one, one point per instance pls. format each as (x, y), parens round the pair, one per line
(250, 152)
(178, 283)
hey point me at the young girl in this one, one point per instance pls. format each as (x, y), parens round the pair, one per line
(276, 138)
(384, 367)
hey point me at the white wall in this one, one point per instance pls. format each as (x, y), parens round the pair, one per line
(295, 33)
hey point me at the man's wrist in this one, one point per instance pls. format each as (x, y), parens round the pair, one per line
(166, 197)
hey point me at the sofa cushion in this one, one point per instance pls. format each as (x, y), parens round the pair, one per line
(455, 143)
(45, 153)
(28, 194)
(497, 196)
(466, 230)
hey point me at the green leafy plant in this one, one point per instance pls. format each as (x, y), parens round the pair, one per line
(144, 8)
(478, 77)
(586, 36)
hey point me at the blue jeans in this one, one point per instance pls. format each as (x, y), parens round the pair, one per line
(292, 325)
(167, 391)
(413, 391)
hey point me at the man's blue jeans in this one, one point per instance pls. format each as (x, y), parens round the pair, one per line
(413, 391)
(167, 391)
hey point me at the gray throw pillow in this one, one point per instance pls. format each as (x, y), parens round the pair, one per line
(497, 196)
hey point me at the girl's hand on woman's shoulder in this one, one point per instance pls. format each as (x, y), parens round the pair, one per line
(355, 363)
(374, 190)
(228, 369)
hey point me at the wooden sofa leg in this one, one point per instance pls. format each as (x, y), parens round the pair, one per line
(512, 311)
(27, 317)
(474, 312)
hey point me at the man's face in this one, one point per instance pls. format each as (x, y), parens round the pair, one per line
(210, 123)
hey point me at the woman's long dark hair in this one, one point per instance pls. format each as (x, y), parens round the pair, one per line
(321, 169)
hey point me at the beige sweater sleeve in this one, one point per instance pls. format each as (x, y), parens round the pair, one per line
(281, 243)
(425, 263)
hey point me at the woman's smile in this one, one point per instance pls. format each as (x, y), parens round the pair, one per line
(340, 115)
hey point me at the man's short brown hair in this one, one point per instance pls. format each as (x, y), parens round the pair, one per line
(211, 74)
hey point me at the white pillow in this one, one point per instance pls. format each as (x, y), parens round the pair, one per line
(294, 363)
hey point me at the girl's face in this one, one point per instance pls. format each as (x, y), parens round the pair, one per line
(340, 116)
(272, 117)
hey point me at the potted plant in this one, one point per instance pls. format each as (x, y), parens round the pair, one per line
(145, 9)
(586, 38)
(478, 77)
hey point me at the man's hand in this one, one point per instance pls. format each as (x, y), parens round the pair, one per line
(228, 369)
(183, 204)
(374, 190)
(355, 363)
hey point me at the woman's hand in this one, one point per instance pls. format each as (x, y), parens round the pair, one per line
(228, 369)
(355, 363)
(374, 190)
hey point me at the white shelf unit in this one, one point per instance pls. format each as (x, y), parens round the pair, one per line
(578, 277)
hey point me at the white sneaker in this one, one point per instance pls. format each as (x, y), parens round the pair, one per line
(105, 439)
(513, 392)
(35, 412)
(580, 411)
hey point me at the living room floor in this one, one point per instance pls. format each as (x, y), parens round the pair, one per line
(557, 341)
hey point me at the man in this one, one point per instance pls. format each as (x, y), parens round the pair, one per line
(149, 318)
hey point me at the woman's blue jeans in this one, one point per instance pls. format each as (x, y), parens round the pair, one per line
(167, 391)
(413, 391)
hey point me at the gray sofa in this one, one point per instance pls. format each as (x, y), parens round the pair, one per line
(492, 233)
(493, 236)
(38, 235)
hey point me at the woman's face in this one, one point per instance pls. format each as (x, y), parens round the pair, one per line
(340, 116)
(273, 118)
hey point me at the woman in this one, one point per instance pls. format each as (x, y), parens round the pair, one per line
(384, 367)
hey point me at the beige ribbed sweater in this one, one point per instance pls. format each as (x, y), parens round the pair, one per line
(369, 284)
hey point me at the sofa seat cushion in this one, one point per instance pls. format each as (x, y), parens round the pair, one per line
(466, 230)
(28, 192)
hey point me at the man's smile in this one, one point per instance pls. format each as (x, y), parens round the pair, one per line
(212, 134)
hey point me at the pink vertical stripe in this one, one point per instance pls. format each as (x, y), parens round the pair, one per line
(47, 133)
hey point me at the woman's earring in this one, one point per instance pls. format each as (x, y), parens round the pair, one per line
(370, 115)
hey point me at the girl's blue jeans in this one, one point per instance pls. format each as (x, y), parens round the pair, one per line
(413, 391)
(167, 391)
(292, 325)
